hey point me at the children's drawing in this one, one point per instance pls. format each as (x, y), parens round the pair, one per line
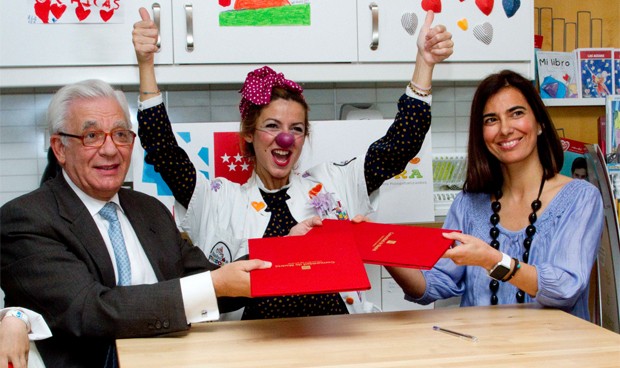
(75, 11)
(239, 13)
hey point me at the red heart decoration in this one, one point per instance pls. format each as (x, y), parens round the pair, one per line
(224, 2)
(58, 10)
(566, 77)
(106, 15)
(42, 10)
(81, 13)
(485, 6)
(434, 5)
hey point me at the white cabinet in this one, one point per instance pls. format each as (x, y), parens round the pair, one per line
(24, 43)
(328, 35)
(334, 45)
(388, 30)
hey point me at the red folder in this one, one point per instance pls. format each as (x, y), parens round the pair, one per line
(307, 265)
(393, 245)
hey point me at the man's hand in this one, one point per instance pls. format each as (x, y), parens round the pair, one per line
(14, 343)
(233, 279)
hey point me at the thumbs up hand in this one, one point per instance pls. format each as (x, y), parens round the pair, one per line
(434, 42)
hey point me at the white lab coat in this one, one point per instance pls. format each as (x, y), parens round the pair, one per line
(222, 215)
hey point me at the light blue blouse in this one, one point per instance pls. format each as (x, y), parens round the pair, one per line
(564, 248)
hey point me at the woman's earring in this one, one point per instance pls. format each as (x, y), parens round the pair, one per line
(539, 131)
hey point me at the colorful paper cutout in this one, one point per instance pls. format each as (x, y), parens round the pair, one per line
(484, 33)
(463, 24)
(409, 22)
(485, 6)
(511, 7)
(434, 5)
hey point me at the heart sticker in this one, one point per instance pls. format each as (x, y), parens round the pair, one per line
(42, 10)
(106, 15)
(258, 205)
(409, 22)
(484, 32)
(463, 24)
(511, 7)
(58, 10)
(315, 190)
(434, 5)
(485, 6)
(566, 77)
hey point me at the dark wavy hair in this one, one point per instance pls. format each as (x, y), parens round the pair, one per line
(484, 172)
(248, 125)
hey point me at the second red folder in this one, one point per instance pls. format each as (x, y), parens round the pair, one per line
(392, 245)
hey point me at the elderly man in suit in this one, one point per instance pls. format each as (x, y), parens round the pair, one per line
(98, 261)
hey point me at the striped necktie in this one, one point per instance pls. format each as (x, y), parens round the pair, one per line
(108, 212)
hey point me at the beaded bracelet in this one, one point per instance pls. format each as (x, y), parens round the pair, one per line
(420, 92)
(150, 92)
(414, 84)
(514, 271)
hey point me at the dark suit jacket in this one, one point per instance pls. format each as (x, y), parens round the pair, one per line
(55, 262)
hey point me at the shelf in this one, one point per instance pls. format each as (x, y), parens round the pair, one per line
(574, 101)
(180, 74)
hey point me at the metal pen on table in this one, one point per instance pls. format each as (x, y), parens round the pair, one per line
(457, 334)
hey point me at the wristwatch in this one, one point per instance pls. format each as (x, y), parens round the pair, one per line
(19, 314)
(501, 269)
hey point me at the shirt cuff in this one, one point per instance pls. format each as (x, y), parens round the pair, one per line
(199, 299)
(151, 102)
(38, 328)
(428, 99)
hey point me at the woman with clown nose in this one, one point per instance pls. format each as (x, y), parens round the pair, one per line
(219, 215)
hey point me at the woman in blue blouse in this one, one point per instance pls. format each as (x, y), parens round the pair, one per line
(529, 234)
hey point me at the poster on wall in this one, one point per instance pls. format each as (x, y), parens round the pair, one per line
(238, 13)
(75, 11)
(214, 149)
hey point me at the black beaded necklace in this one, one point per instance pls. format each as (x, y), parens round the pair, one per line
(530, 230)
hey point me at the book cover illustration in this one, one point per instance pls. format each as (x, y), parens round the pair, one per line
(596, 72)
(557, 74)
(612, 113)
(617, 71)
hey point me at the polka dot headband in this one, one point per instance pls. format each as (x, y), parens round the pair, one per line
(258, 86)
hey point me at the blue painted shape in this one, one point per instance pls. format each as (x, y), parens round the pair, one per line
(185, 136)
(150, 176)
(205, 173)
(204, 155)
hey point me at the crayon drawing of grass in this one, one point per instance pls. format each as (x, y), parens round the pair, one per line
(290, 15)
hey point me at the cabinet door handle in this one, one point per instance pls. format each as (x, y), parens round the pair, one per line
(189, 24)
(157, 19)
(374, 9)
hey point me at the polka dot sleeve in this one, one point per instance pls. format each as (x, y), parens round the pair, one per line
(163, 152)
(389, 155)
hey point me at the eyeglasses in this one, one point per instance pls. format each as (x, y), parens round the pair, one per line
(120, 137)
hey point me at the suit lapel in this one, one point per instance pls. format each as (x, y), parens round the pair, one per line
(82, 225)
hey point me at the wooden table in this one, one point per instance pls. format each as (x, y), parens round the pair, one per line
(507, 336)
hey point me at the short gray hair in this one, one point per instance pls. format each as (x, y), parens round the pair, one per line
(57, 112)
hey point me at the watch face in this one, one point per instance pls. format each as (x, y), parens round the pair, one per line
(499, 272)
